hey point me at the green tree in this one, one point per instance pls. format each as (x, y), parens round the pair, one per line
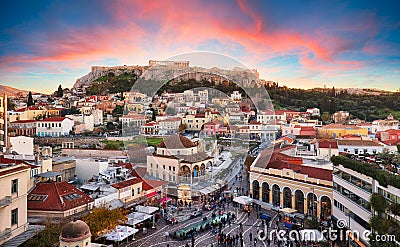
(48, 237)
(60, 92)
(10, 104)
(326, 117)
(30, 99)
(102, 219)
(118, 111)
(74, 110)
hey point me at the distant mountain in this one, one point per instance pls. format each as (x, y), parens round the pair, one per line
(13, 92)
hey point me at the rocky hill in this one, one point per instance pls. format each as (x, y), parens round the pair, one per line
(13, 92)
(171, 73)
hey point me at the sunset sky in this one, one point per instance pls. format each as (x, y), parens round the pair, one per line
(302, 44)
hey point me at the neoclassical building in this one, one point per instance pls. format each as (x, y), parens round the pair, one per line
(285, 181)
(178, 160)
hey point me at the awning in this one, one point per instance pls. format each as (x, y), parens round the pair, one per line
(288, 210)
(204, 191)
(152, 194)
(91, 187)
(165, 199)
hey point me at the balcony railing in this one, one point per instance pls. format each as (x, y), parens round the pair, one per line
(4, 202)
(5, 234)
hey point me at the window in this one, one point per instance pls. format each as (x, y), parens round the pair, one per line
(14, 216)
(133, 192)
(138, 191)
(14, 186)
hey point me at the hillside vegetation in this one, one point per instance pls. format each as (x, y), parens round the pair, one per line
(365, 107)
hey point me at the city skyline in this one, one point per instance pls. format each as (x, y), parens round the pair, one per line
(303, 45)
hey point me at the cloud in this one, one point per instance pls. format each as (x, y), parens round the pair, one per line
(136, 31)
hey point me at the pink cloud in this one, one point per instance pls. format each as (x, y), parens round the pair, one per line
(184, 26)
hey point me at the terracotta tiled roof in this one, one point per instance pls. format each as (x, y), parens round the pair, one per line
(176, 142)
(392, 142)
(53, 119)
(60, 196)
(328, 144)
(139, 172)
(307, 128)
(358, 143)
(22, 121)
(174, 119)
(151, 184)
(312, 172)
(127, 183)
(15, 169)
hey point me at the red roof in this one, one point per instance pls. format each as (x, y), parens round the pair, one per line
(53, 119)
(307, 128)
(139, 172)
(254, 122)
(312, 172)
(22, 121)
(176, 142)
(59, 196)
(126, 183)
(151, 184)
(392, 142)
(327, 144)
(12, 170)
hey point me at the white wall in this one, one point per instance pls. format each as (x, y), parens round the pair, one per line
(87, 168)
(351, 149)
(22, 144)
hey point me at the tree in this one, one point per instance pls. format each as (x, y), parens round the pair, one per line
(325, 117)
(118, 111)
(30, 99)
(60, 92)
(182, 127)
(10, 104)
(102, 219)
(74, 110)
(48, 237)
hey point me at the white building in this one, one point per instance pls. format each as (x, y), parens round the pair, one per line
(22, 145)
(236, 96)
(352, 191)
(266, 117)
(314, 111)
(87, 168)
(58, 126)
(84, 122)
(178, 159)
(97, 114)
(386, 124)
(169, 126)
(133, 119)
(359, 146)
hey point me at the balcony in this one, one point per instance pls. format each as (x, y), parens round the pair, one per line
(5, 234)
(5, 201)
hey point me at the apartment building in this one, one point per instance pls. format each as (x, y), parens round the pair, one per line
(352, 192)
(3, 122)
(13, 203)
